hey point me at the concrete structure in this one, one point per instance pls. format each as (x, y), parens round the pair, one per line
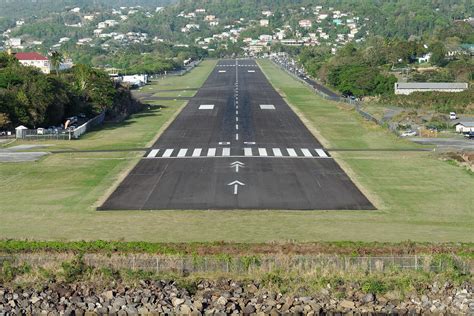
(464, 127)
(410, 87)
(305, 24)
(35, 60)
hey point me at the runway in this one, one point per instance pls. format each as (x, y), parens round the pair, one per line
(237, 145)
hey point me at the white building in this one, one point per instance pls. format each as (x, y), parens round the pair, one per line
(305, 24)
(264, 22)
(464, 127)
(410, 87)
(35, 60)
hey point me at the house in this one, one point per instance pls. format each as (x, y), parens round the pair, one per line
(264, 22)
(464, 126)
(13, 42)
(306, 24)
(425, 58)
(410, 87)
(267, 13)
(35, 60)
(209, 18)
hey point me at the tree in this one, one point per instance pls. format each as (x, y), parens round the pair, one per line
(56, 58)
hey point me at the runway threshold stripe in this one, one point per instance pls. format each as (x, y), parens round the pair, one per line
(168, 153)
(321, 153)
(277, 152)
(211, 152)
(182, 152)
(153, 153)
(262, 152)
(248, 151)
(197, 152)
(225, 152)
(306, 152)
(292, 152)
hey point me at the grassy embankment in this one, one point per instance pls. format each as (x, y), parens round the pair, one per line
(419, 197)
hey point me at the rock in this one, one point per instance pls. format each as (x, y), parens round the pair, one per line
(347, 304)
(177, 301)
(368, 298)
(222, 301)
(249, 309)
(109, 295)
(251, 288)
(184, 309)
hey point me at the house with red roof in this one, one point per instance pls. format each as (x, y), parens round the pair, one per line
(35, 60)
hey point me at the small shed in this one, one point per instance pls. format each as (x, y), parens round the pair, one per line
(464, 127)
(20, 132)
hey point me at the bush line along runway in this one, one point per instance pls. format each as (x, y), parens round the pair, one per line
(237, 145)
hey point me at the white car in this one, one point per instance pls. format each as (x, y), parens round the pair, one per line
(408, 134)
(452, 115)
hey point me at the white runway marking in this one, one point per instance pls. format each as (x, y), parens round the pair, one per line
(221, 71)
(306, 152)
(236, 136)
(206, 107)
(248, 152)
(182, 152)
(226, 152)
(262, 152)
(168, 153)
(236, 126)
(211, 152)
(197, 152)
(251, 71)
(153, 153)
(321, 153)
(267, 107)
(291, 152)
(277, 152)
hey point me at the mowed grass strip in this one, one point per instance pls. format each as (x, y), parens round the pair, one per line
(421, 198)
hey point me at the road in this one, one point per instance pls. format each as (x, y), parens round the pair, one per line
(237, 145)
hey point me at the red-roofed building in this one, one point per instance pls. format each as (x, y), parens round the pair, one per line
(35, 60)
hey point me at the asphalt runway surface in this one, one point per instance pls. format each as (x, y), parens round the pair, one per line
(237, 145)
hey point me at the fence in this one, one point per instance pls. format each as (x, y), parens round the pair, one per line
(355, 103)
(87, 126)
(249, 264)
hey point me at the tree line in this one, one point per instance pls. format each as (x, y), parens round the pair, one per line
(31, 98)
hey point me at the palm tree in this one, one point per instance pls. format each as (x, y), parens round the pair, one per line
(56, 59)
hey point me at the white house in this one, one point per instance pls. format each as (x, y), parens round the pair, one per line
(135, 80)
(305, 24)
(464, 127)
(264, 22)
(425, 58)
(35, 60)
(410, 87)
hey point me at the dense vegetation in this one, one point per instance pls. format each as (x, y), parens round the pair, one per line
(31, 98)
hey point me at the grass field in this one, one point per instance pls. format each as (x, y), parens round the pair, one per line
(419, 197)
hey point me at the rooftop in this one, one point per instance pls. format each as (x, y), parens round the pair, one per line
(30, 56)
(431, 85)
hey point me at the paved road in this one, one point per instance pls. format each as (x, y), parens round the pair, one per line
(237, 145)
(446, 143)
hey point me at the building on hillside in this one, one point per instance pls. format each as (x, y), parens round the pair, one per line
(35, 60)
(410, 87)
(264, 22)
(464, 126)
(306, 24)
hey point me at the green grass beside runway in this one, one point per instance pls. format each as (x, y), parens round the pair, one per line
(421, 198)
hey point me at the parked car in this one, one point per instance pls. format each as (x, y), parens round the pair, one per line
(469, 135)
(452, 116)
(408, 134)
(40, 131)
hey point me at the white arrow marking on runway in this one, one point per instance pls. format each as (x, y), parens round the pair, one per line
(249, 143)
(237, 165)
(236, 186)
